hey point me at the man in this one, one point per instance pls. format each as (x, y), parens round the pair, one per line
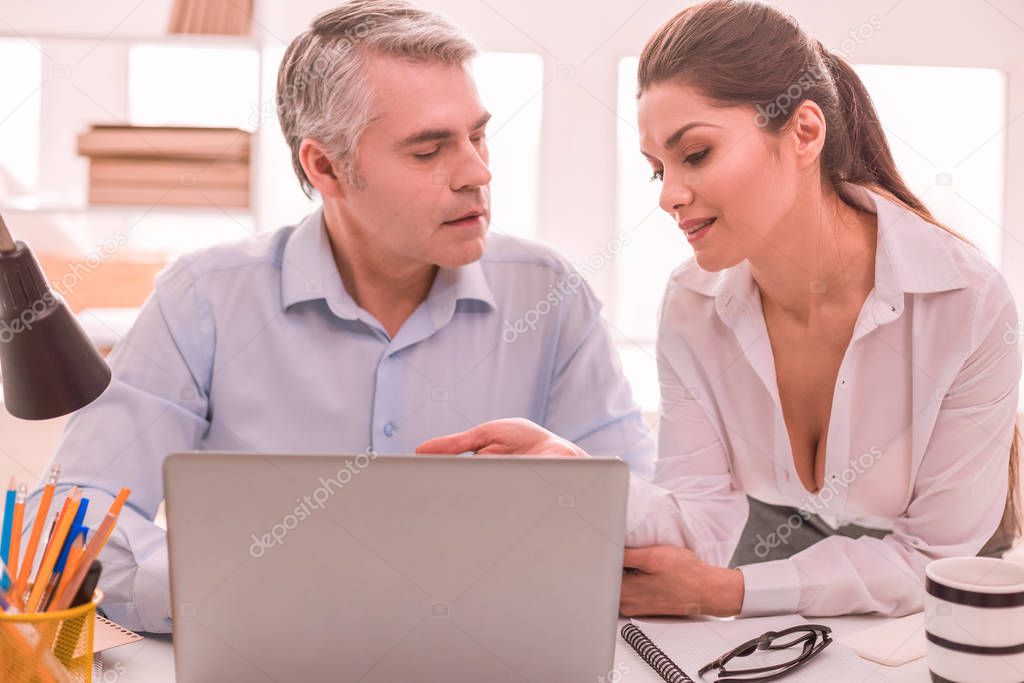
(383, 319)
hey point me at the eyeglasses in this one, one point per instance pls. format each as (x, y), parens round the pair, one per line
(810, 638)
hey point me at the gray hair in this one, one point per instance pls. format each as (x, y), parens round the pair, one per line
(322, 88)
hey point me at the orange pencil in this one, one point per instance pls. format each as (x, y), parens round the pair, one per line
(67, 516)
(70, 565)
(99, 538)
(37, 531)
(59, 518)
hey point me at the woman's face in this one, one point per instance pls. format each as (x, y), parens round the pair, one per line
(716, 163)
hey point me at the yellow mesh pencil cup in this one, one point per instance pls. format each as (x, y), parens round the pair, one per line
(48, 647)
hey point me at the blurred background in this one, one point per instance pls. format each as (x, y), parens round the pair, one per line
(77, 183)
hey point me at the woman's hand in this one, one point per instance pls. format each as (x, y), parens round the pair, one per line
(669, 580)
(511, 436)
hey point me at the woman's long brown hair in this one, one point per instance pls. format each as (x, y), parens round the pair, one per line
(743, 52)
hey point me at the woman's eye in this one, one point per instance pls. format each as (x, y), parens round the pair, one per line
(695, 159)
(658, 175)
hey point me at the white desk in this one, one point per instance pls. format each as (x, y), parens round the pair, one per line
(152, 660)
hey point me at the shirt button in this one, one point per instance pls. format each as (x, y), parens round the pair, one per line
(389, 430)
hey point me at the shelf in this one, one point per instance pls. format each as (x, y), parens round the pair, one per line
(195, 39)
(33, 206)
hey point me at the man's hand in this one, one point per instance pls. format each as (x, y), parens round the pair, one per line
(669, 580)
(512, 436)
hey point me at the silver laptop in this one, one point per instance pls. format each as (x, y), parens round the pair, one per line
(380, 568)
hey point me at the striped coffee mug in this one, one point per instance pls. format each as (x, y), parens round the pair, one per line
(974, 620)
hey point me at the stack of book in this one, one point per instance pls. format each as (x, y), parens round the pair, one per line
(224, 17)
(167, 165)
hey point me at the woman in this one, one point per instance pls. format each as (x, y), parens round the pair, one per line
(838, 399)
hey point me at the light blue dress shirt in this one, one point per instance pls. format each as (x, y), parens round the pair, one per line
(257, 346)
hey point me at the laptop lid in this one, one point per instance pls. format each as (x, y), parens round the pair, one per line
(382, 568)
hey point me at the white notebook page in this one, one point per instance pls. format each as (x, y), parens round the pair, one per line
(692, 644)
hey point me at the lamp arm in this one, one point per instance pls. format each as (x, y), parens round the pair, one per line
(6, 241)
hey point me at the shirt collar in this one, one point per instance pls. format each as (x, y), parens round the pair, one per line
(308, 272)
(912, 256)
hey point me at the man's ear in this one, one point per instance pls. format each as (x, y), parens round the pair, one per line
(326, 176)
(808, 129)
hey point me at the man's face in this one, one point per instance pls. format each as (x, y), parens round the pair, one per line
(421, 195)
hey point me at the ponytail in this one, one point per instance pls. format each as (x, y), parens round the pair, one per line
(856, 150)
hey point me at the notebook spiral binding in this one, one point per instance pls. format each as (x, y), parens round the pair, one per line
(652, 654)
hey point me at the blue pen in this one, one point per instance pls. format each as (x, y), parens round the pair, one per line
(5, 536)
(76, 527)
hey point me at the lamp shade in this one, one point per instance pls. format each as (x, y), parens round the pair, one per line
(48, 364)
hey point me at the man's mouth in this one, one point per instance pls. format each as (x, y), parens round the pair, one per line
(470, 218)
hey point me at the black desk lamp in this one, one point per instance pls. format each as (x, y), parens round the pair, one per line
(49, 366)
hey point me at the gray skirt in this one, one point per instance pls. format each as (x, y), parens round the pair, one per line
(775, 532)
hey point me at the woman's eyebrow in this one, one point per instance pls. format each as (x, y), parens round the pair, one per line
(674, 139)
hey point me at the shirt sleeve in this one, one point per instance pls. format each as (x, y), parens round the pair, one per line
(590, 401)
(155, 405)
(693, 500)
(967, 453)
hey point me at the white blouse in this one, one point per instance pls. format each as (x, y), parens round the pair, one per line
(918, 440)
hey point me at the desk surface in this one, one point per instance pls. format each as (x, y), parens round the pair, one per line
(152, 660)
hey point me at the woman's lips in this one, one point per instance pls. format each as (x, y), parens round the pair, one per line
(696, 228)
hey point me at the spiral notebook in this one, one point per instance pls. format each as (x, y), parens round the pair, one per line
(107, 634)
(676, 650)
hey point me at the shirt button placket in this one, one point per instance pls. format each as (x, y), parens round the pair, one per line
(839, 461)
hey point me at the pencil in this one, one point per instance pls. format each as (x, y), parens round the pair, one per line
(57, 520)
(37, 531)
(5, 534)
(4, 574)
(67, 516)
(99, 539)
(19, 515)
(74, 558)
(62, 556)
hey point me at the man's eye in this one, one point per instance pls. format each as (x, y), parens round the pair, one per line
(427, 155)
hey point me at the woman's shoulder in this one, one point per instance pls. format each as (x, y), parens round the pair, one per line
(969, 258)
(981, 285)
